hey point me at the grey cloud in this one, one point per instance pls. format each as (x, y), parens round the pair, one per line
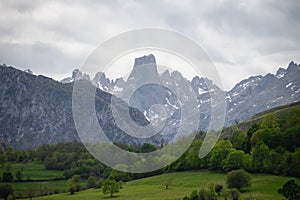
(40, 57)
(234, 33)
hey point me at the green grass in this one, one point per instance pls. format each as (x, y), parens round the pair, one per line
(21, 187)
(33, 170)
(37, 174)
(263, 187)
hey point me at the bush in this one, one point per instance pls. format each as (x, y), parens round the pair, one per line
(99, 184)
(194, 195)
(7, 177)
(210, 193)
(186, 198)
(202, 194)
(91, 182)
(233, 193)
(218, 189)
(238, 179)
(290, 190)
(6, 190)
(19, 175)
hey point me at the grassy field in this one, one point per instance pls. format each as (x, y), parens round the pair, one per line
(33, 171)
(20, 188)
(263, 187)
(38, 175)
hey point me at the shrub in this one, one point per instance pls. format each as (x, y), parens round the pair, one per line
(99, 184)
(186, 198)
(194, 195)
(7, 177)
(210, 193)
(202, 194)
(6, 190)
(233, 193)
(290, 190)
(218, 189)
(91, 182)
(19, 175)
(238, 179)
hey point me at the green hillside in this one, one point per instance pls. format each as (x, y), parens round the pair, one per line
(183, 184)
(245, 125)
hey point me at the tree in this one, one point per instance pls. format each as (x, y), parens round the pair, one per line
(290, 190)
(238, 179)
(120, 175)
(192, 158)
(110, 186)
(247, 141)
(219, 153)
(91, 182)
(72, 189)
(278, 158)
(7, 177)
(19, 175)
(291, 138)
(237, 138)
(3, 159)
(6, 190)
(236, 159)
(74, 184)
(260, 157)
(146, 148)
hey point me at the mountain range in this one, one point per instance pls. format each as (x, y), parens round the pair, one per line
(247, 98)
(37, 110)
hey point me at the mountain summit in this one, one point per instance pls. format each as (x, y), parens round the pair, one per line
(144, 60)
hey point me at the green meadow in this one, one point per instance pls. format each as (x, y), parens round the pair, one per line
(34, 171)
(263, 187)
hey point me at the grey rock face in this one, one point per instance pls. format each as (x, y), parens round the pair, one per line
(259, 93)
(76, 75)
(37, 110)
(144, 60)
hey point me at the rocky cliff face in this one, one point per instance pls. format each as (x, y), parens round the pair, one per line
(34, 109)
(37, 110)
(259, 93)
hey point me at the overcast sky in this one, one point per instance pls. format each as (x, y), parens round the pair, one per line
(243, 38)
